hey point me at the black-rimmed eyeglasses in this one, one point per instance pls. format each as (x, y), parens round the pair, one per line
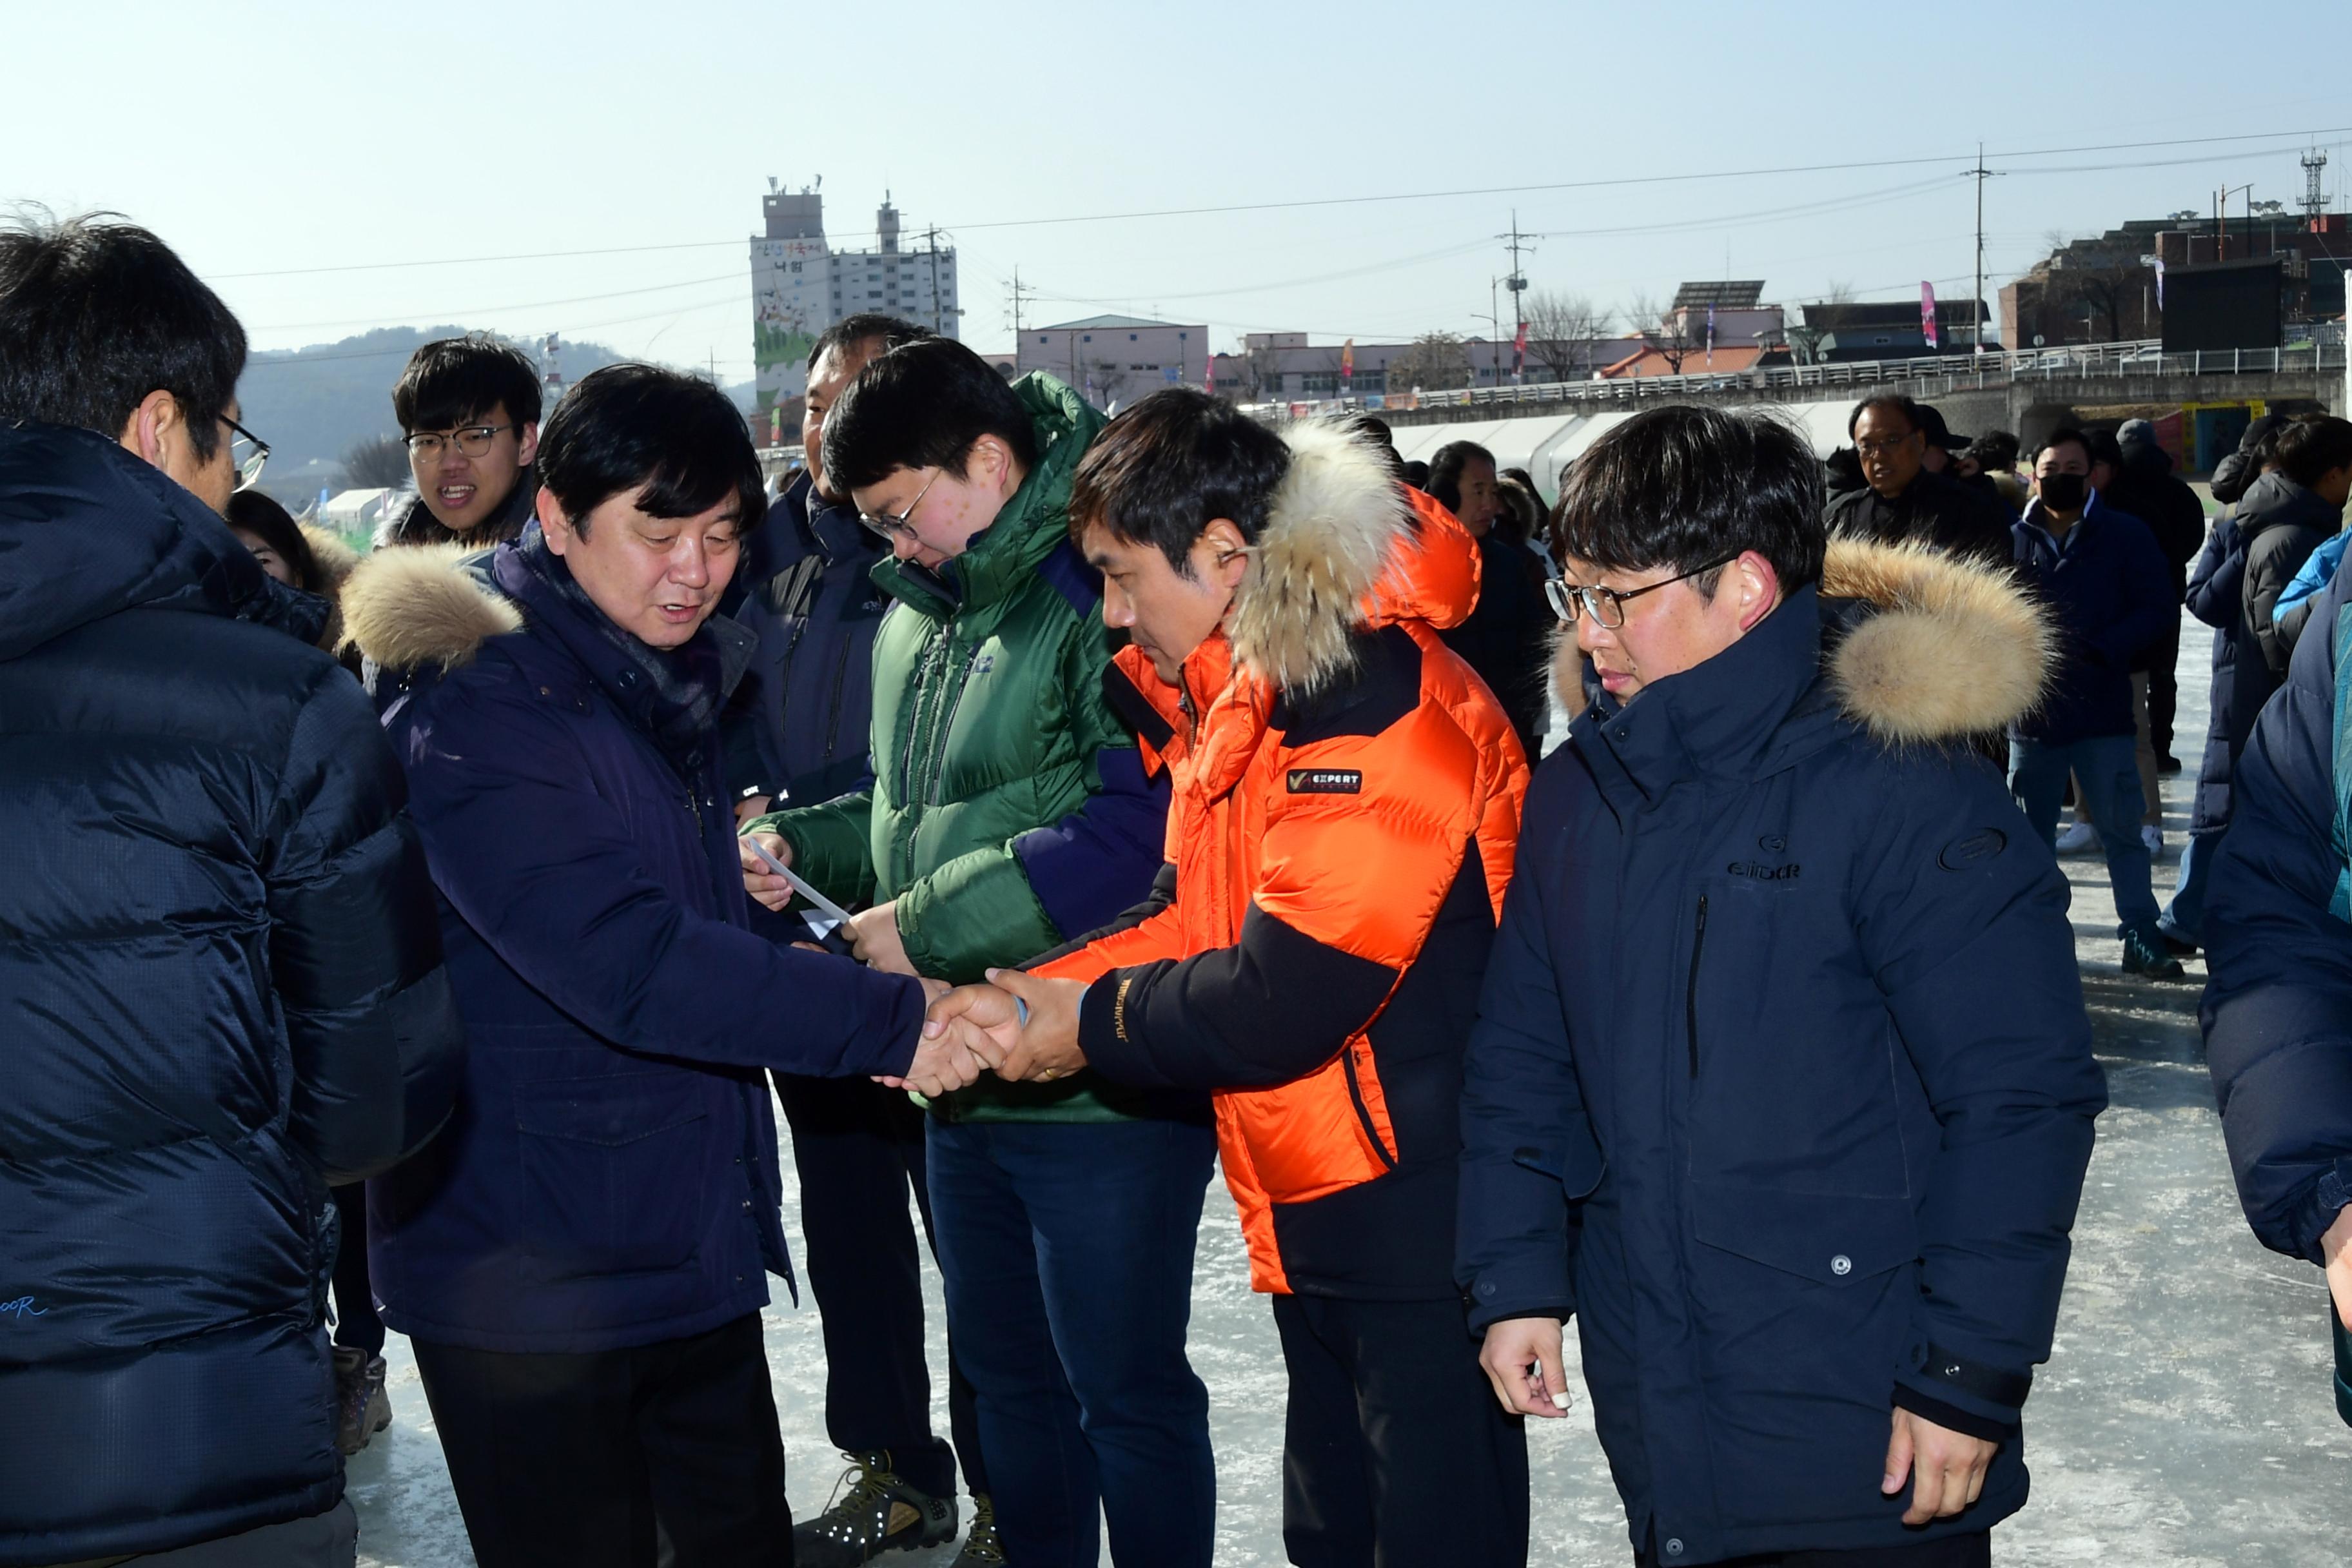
(1607, 606)
(473, 441)
(891, 525)
(248, 451)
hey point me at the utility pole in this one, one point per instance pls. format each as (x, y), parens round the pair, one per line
(932, 235)
(1976, 305)
(1517, 281)
(1021, 293)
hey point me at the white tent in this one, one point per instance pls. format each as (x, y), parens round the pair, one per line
(353, 511)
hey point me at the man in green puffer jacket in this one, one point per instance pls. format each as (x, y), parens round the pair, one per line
(1010, 812)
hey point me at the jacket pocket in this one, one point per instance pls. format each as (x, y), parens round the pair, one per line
(613, 1171)
(1575, 1162)
(1829, 1238)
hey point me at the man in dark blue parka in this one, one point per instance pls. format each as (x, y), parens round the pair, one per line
(220, 984)
(581, 1260)
(1738, 1098)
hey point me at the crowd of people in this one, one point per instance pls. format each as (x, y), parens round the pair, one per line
(1049, 809)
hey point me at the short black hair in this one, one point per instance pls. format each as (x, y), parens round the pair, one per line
(1375, 435)
(2314, 447)
(1163, 469)
(458, 380)
(1414, 472)
(257, 514)
(921, 405)
(2062, 436)
(1689, 488)
(2103, 448)
(1900, 402)
(1446, 468)
(96, 313)
(629, 425)
(1994, 449)
(865, 327)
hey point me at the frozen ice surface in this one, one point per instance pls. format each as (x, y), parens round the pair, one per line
(2185, 1419)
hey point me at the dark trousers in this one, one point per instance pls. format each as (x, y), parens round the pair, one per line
(858, 1147)
(1395, 1451)
(1949, 1552)
(2163, 690)
(356, 1325)
(666, 1452)
(1068, 1252)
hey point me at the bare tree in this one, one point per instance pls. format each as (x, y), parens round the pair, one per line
(1561, 331)
(1436, 362)
(2115, 293)
(1665, 332)
(376, 463)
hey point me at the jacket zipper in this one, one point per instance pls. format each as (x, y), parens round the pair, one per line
(1363, 1112)
(833, 717)
(947, 726)
(1698, 947)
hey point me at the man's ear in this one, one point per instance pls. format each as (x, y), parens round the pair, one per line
(1227, 553)
(148, 430)
(1759, 588)
(553, 523)
(526, 444)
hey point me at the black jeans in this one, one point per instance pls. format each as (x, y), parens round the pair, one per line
(1395, 1451)
(356, 1325)
(857, 1146)
(2163, 690)
(1973, 1551)
(615, 1458)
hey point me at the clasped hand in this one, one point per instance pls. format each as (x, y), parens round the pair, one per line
(973, 1027)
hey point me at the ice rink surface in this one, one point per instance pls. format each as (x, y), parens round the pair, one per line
(2185, 1418)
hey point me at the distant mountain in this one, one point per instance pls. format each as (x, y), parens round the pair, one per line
(311, 404)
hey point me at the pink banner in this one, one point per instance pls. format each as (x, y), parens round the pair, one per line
(1927, 315)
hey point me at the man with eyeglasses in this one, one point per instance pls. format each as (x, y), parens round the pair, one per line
(222, 987)
(1902, 502)
(1010, 812)
(1781, 1084)
(468, 410)
(798, 732)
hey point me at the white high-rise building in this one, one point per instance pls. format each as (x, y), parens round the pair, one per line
(801, 286)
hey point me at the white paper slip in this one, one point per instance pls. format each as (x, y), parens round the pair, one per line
(818, 901)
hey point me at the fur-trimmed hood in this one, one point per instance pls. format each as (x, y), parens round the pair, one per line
(1941, 649)
(1345, 545)
(431, 603)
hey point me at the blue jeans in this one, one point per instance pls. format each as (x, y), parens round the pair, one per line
(1067, 1249)
(2107, 767)
(2184, 917)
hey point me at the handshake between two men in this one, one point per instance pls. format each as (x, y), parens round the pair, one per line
(1019, 1026)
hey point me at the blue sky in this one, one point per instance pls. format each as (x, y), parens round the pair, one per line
(266, 141)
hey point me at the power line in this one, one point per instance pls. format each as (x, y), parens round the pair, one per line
(1615, 182)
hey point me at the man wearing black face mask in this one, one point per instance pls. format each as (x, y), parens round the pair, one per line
(2109, 591)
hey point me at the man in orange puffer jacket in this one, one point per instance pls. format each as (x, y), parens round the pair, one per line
(1346, 800)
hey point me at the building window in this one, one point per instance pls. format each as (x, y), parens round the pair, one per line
(1131, 337)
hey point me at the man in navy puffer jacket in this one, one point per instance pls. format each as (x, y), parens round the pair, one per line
(1737, 1098)
(220, 984)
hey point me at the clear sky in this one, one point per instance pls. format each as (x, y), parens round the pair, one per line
(272, 143)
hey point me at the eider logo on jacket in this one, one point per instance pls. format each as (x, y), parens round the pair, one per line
(1326, 780)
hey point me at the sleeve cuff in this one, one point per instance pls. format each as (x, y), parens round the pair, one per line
(1523, 1292)
(1953, 1416)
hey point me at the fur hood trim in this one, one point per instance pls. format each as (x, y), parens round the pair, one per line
(1955, 650)
(1945, 649)
(1336, 519)
(407, 607)
(335, 558)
